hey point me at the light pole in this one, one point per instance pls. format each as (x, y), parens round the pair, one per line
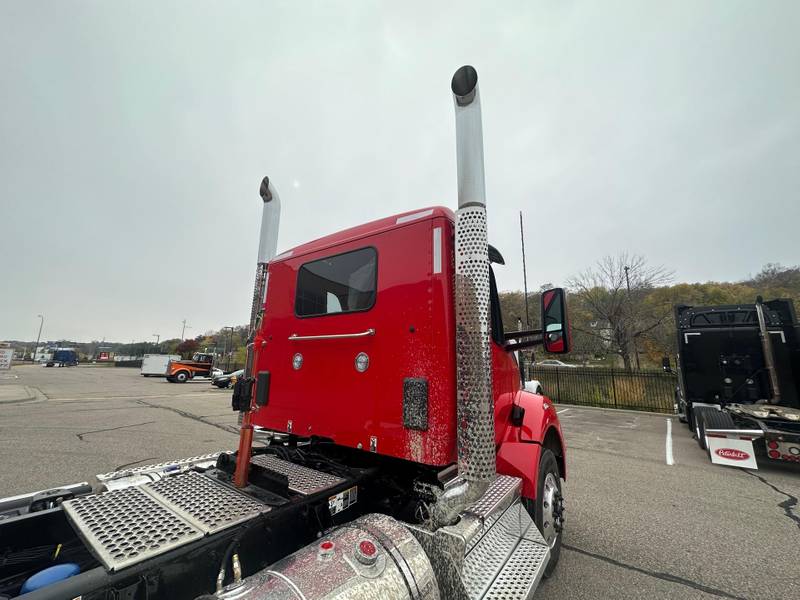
(38, 337)
(524, 272)
(185, 327)
(229, 345)
(158, 341)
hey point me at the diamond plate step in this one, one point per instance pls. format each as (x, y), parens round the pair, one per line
(208, 505)
(508, 559)
(501, 493)
(302, 480)
(127, 526)
(521, 574)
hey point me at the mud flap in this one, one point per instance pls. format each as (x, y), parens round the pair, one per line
(731, 451)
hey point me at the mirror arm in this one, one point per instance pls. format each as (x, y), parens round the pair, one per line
(530, 343)
(522, 333)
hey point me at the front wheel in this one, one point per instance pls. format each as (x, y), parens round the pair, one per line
(547, 510)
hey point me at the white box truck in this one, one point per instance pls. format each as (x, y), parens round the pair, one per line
(155, 365)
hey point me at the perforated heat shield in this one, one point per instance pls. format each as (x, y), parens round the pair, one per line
(476, 454)
(127, 526)
(302, 480)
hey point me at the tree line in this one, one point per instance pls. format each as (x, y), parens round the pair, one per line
(621, 311)
(622, 308)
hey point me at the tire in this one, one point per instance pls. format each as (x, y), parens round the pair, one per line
(699, 415)
(171, 379)
(549, 519)
(182, 376)
(716, 419)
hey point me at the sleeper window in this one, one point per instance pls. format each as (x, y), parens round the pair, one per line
(337, 284)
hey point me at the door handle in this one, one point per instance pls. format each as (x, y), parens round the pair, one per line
(332, 336)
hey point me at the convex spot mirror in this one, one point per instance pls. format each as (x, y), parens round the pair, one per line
(556, 333)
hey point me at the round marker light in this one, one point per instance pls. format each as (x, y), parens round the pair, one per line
(366, 552)
(774, 454)
(362, 362)
(297, 361)
(326, 549)
(772, 445)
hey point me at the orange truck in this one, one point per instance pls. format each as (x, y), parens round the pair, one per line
(181, 371)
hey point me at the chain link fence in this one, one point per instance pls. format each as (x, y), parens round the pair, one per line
(608, 388)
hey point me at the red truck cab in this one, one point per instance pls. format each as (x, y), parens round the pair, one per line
(358, 340)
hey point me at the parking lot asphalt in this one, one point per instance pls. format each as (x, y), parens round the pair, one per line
(89, 420)
(637, 526)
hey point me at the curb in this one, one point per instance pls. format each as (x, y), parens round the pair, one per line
(622, 410)
(32, 396)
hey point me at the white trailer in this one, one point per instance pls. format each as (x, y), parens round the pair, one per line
(155, 365)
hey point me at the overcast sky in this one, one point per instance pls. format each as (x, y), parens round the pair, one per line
(134, 135)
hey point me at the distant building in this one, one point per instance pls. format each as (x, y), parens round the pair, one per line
(43, 354)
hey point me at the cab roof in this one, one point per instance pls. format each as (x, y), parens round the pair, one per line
(367, 229)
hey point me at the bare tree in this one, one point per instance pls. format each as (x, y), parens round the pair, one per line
(610, 300)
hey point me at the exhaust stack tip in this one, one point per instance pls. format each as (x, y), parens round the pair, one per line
(464, 85)
(264, 190)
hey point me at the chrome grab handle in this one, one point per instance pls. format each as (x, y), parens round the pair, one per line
(332, 336)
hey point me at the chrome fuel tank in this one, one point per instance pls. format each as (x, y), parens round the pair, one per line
(375, 556)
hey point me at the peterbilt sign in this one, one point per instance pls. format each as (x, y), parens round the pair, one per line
(731, 454)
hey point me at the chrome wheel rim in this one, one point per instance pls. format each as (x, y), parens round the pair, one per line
(552, 510)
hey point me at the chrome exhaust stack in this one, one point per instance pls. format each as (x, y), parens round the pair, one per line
(769, 356)
(475, 405)
(267, 245)
(270, 221)
(267, 248)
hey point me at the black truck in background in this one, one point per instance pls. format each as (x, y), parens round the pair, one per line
(738, 379)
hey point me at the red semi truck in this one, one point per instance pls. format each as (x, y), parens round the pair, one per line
(404, 459)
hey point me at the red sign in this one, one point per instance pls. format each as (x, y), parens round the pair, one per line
(732, 454)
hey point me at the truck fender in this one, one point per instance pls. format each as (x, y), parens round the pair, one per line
(520, 459)
(539, 429)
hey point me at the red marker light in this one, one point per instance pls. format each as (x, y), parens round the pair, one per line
(367, 548)
(366, 552)
(326, 549)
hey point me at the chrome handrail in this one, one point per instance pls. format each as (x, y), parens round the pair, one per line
(332, 336)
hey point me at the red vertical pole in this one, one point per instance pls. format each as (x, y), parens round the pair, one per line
(245, 450)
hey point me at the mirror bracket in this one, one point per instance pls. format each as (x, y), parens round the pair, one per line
(536, 340)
